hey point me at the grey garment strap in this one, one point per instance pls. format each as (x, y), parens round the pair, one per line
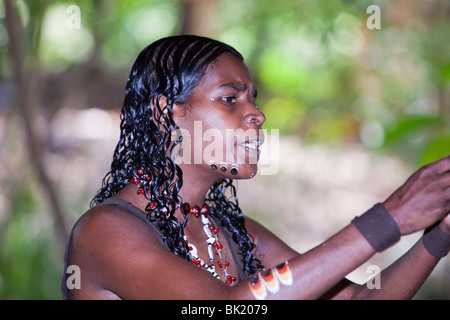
(129, 207)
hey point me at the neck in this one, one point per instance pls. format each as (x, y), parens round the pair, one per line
(196, 183)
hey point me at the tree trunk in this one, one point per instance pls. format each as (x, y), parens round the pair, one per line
(15, 34)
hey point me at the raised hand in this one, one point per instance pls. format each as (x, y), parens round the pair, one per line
(423, 199)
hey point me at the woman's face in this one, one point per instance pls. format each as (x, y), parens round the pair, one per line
(221, 123)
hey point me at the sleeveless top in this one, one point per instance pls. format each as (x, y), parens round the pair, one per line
(131, 209)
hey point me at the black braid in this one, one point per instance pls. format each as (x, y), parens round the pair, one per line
(223, 198)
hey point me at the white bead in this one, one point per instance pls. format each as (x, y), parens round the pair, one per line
(207, 231)
(205, 220)
(194, 249)
(211, 240)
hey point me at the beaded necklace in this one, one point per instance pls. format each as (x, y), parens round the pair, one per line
(212, 238)
(141, 179)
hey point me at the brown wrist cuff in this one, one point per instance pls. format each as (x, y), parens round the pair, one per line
(378, 227)
(437, 242)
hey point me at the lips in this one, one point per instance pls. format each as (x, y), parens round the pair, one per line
(253, 143)
(250, 141)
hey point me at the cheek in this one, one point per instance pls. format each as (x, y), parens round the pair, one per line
(213, 145)
(212, 136)
(210, 133)
(202, 143)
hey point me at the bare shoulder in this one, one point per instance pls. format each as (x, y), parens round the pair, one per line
(107, 225)
(105, 242)
(270, 249)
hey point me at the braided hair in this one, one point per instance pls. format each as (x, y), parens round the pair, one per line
(171, 68)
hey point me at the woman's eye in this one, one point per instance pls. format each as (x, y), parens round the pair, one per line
(229, 100)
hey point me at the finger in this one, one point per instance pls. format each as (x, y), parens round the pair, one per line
(435, 169)
(442, 166)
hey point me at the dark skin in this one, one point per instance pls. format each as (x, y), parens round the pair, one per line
(120, 257)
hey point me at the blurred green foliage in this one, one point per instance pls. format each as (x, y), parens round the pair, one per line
(320, 72)
(30, 260)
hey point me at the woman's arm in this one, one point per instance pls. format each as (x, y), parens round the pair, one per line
(405, 276)
(402, 279)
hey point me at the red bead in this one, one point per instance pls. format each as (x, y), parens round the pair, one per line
(135, 180)
(228, 282)
(139, 172)
(195, 210)
(227, 264)
(140, 191)
(204, 209)
(152, 205)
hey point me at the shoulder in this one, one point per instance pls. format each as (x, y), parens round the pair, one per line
(108, 228)
(105, 241)
(110, 224)
(270, 249)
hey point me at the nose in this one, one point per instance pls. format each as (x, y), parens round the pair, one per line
(256, 116)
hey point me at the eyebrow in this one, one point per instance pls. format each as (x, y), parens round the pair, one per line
(240, 87)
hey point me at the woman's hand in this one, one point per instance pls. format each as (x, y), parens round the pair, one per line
(423, 199)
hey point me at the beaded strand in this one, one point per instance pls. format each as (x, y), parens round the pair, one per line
(141, 179)
(213, 242)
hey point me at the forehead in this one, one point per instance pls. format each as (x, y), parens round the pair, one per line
(226, 69)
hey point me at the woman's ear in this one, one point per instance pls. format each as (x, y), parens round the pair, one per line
(178, 110)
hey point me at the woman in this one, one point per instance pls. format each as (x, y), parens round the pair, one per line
(167, 225)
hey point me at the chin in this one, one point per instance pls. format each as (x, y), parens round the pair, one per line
(246, 172)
